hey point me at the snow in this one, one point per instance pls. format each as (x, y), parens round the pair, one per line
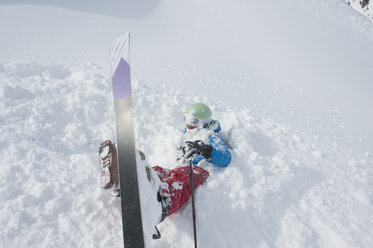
(363, 7)
(151, 208)
(289, 81)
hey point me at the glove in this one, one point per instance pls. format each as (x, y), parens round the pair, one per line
(190, 148)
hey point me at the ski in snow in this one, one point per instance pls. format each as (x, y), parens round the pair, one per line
(129, 189)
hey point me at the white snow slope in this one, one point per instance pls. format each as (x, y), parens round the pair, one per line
(290, 82)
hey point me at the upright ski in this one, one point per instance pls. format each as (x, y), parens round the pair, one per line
(129, 189)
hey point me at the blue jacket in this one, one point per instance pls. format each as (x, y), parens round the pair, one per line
(220, 155)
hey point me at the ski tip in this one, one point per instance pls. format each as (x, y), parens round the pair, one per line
(120, 49)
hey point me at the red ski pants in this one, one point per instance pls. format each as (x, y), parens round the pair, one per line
(179, 184)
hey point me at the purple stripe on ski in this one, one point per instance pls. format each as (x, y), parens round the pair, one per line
(122, 80)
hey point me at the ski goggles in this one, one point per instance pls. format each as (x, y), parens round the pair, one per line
(191, 122)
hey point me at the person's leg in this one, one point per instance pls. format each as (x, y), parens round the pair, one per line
(179, 184)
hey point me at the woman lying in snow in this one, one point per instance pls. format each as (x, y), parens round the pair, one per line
(172, 186)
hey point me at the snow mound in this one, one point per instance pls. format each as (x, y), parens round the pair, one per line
(49, 145)
(284, 187)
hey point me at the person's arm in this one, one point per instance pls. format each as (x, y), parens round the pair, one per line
(220, 155)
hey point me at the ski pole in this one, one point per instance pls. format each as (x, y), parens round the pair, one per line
(191, 176)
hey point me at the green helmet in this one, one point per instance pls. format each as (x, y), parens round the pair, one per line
(197, 113)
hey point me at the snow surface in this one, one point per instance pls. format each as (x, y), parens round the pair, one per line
(150, 207)
(289, 81)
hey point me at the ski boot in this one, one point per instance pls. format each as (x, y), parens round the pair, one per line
(109, 178)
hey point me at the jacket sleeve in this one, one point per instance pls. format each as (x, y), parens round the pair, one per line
(220, 155)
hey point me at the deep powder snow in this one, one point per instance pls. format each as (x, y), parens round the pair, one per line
(284, 187)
